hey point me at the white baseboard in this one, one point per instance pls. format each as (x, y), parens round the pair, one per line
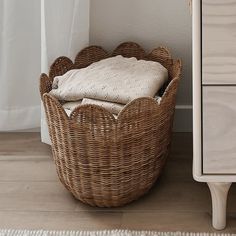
(33, 130)
(183, 118)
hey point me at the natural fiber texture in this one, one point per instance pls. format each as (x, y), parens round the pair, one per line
(116, 79)
(103, 233)
(104, 161)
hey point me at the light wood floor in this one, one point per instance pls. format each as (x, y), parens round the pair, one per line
(32, 198)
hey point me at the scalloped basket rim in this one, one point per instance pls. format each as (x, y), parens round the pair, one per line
(110, 54)
(128, 105)
(120, 116)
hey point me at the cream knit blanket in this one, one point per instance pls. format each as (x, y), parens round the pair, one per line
(116, 79)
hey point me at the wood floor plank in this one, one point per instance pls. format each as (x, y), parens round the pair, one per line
(27, 169)
(35, 196)
(177, 171)
(22, 144)
(171, 198)
(31, 196)
(184, 222)
(174, 197)
(60, 220)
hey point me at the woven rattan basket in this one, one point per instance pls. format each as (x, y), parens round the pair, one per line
(101, 160)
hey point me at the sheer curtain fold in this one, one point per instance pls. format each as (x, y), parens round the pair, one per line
(64, 28)
(19, 64)
(31, 37)
(64, 31)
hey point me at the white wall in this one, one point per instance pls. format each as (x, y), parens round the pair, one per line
(150, 23)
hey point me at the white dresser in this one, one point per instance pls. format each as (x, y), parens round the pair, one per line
(214, 100)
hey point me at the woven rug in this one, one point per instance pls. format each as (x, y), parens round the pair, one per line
(102, 233)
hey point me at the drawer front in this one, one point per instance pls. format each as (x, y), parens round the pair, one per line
(219, 41)
(219, 130)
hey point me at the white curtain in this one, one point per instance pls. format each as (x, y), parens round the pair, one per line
(64, 31)
(25, 52)
(19, 64)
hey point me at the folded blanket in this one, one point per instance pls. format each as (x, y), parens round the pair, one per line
(71, 105)
(116, 79)
(112, 107)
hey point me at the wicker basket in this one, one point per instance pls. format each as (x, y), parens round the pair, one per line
(101, 160)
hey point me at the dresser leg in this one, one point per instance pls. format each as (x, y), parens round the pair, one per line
(219, 193)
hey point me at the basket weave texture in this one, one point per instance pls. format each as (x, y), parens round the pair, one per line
(103, 161)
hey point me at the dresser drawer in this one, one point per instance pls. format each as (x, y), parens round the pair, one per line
(218, 41)
(219, 130)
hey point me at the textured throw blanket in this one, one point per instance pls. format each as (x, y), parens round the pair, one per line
(116, 79)
(110, 83)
